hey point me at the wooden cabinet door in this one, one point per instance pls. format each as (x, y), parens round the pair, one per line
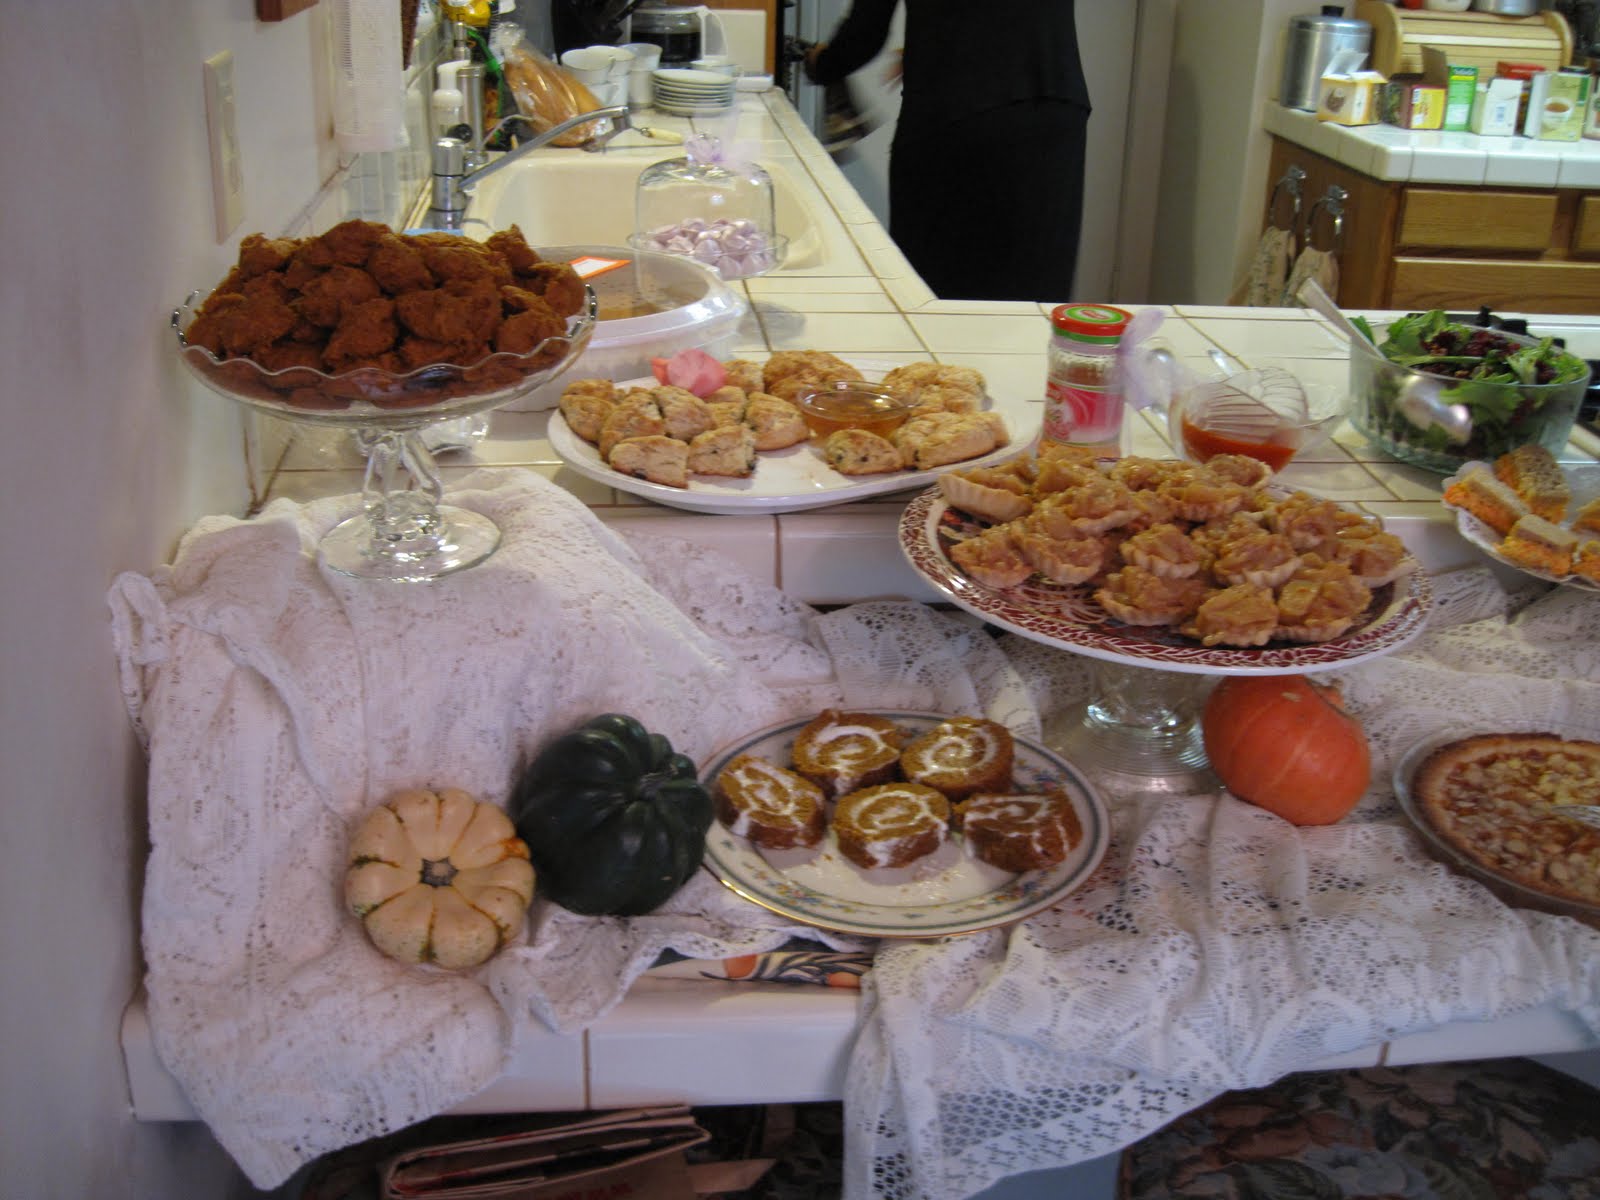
(1365, 242)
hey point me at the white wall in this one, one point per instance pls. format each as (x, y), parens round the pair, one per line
(108, 453)
(1226, 62)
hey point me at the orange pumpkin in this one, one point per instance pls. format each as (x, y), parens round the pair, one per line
(1286, 744)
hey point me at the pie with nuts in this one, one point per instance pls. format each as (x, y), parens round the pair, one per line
(1497, 799)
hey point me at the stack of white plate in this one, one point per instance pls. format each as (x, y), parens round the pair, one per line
(688, 93)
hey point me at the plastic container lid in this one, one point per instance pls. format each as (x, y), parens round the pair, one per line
(1090, 322)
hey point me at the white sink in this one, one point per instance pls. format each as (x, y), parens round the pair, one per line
(568, 198)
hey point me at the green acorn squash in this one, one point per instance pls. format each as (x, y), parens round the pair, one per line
(615, 820)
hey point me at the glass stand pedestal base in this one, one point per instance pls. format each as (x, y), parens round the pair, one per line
(457, 539)
(1140, 728)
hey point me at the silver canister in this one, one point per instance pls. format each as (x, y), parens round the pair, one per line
(1309, 47)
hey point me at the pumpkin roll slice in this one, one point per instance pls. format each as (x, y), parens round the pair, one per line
(891, 824)
(1586, 560)
(770, 805)
(960, 756)
(1020, 831)
(843, 751)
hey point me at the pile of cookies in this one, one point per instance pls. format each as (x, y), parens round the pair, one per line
(361, 301)
(892, 798)
(667, 434)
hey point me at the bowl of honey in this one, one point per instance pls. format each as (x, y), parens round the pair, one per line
(853, 404)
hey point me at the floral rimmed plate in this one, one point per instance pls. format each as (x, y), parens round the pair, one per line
(1583, 482)
(1070, 617)
(949, 892)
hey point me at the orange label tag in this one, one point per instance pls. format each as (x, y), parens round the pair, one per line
(590, 265)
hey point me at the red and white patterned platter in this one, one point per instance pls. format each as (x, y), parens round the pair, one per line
(1069, 617)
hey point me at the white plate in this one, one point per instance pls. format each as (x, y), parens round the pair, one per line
(949, 892)
(686, 77)
(1071, 618)
(1584, 484)
(784, 480)
(692, 110)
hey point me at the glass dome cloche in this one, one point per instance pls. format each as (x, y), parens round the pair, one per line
(714, 206)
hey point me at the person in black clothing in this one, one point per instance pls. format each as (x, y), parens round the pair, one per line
(986, 166)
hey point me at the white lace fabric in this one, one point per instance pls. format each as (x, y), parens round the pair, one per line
(1216, 947)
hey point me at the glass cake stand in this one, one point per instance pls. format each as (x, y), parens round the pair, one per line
(1147, 685)
(403, 532)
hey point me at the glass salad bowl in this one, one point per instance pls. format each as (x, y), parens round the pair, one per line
(404, 532)
(1439, 394)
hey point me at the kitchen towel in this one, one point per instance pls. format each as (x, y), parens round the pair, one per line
(1216, 947)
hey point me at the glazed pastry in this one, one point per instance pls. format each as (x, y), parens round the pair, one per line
(843, 751)
(1532, 472)
(1241, 615)
(1321, 601)
(1064, 560)
(1163, 550)
(1020, 832)
(658, 458)
(1258, 557)
(988, 493)
(890, 824)
(960, 756)
(729, 450)
(992, 558)
(1136, 597)
(769, 805)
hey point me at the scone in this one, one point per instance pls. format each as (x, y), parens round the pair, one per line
(585, 404)
(658, 458)
(960, 756)
(636, 415)
(776, 423)
(728, 450)
(683, 413)
(843, 751)
(769, 805)
(1020, 832)
(890, 824)
(858, 452)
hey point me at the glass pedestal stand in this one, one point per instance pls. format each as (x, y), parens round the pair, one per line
(1140, 726)
(404, 532)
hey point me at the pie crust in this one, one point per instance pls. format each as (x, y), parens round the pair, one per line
(1496, 799)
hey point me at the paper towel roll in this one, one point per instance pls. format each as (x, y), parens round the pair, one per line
(369, 91)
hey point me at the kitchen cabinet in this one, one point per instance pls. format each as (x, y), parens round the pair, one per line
(1405, 244)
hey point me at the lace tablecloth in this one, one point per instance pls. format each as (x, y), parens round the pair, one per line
(1216, 947)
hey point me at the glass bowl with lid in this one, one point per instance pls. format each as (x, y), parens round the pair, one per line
(711, 206)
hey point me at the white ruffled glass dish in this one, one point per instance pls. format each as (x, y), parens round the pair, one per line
(404, 532)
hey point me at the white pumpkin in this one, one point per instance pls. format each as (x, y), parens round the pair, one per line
(438, 877)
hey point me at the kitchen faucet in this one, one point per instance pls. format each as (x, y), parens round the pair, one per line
(452, 181)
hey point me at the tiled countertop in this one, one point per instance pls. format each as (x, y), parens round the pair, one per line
(1432, 156)
(710, 1043)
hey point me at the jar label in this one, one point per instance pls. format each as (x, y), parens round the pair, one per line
(1074, 413)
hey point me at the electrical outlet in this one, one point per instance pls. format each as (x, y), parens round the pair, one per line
(227, 171)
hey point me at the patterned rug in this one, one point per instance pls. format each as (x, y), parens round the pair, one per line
(1503, 1129)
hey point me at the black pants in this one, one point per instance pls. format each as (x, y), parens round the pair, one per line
(989, 207)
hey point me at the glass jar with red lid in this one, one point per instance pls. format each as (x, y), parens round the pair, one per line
(1083, 402)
